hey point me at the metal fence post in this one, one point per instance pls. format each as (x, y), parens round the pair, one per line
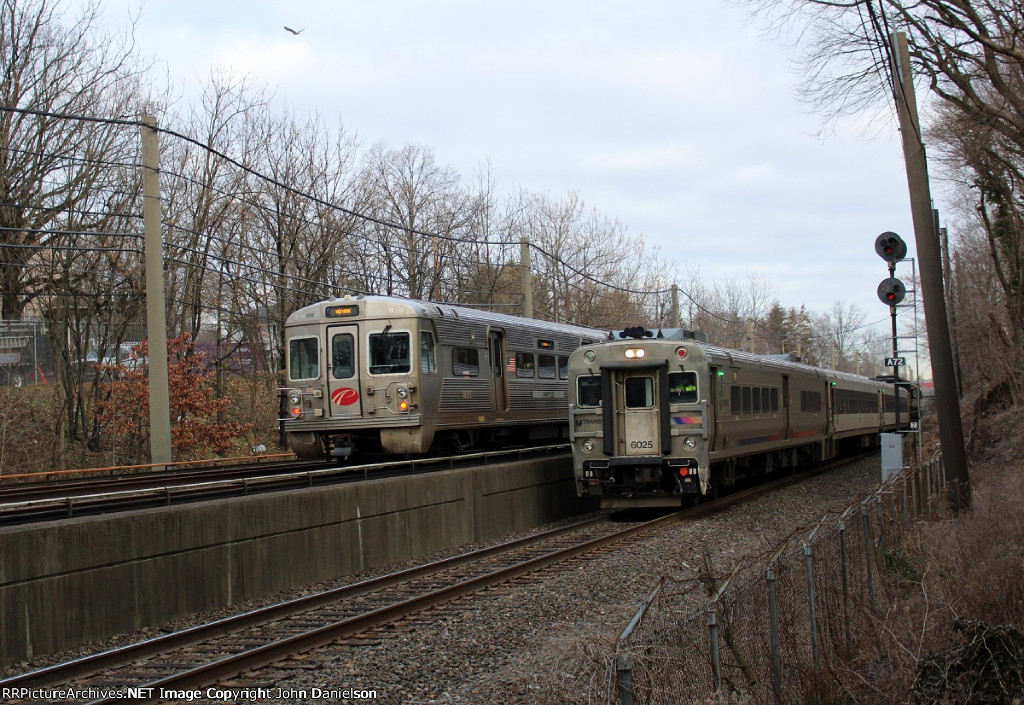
(808, 553)
(846, 584)
(881, 529)
(867, 555)
(624, 671)
(773, 611)
(716, 664)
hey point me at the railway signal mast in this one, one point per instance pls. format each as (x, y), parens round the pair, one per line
(891, 292)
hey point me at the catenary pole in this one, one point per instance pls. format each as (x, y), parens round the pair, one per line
(156, 316)
(951, 433)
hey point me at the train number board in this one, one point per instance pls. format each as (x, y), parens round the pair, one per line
(895, 361)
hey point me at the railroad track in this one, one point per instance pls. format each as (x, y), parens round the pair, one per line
(211, 653)
(217, 652)
(46, 501)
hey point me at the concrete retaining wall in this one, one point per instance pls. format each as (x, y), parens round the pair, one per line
(71, 582)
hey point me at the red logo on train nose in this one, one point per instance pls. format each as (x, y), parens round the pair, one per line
(344, 396)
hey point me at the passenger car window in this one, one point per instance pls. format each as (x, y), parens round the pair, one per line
(546, 366)
(588, 390)
(682, 387)
(525, 365)
(466, 362)
(303, 358)
(342, 359)
(639, 392)
(427, 365)
(389, 353)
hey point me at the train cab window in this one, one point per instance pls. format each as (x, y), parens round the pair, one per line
(389, 353)
(342, 357)
(588, 390)
(526, 366)
(303, 358)
(466, 362)
(639, 392)
(427, 363)
(682, 387)
(563, 367)
(546, 366)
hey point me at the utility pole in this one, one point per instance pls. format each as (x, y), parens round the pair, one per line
(951, 432)
(156, 316)
(527, 277)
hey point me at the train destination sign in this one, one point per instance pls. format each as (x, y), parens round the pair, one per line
(895, 361)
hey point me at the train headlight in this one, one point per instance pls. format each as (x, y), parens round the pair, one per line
(588, 445)
(294, 397)
(690, 442)
(403, 392)
(634, 353)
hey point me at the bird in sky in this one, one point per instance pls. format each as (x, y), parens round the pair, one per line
(296, 31)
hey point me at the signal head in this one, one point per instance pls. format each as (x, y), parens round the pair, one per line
(890, 247)
(891, 291)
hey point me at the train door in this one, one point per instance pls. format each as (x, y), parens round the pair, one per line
(639, 416)
(343, 372)
(713, 407)
(496, 348)
(786, 419)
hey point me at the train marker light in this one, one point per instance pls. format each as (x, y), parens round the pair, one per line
(634, 353)
(890, 247)
(680, 352)
(403, 405)
(296, 412)
(891, 291)
(589, 355)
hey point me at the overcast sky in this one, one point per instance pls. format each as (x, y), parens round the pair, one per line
(675, 117)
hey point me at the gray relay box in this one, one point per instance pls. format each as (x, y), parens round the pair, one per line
(892, 454)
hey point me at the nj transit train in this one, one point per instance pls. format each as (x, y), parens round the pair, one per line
(656, 422)
(399, 376)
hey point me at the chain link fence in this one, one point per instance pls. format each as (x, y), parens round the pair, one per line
(775, 631)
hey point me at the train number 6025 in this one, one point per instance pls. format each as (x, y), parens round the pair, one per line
(641, 444)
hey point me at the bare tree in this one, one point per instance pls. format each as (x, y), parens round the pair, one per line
(51, 165)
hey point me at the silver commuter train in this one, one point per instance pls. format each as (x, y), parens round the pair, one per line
(400, 376)
(657, 421)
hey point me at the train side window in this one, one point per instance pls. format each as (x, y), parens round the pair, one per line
(766, 400)
(563, 367)
(737, 404)
(465, 362)
(342, 359)
(526, 366)
(303, 358)
(427, 363)
(682, 387)
(756, 400)
(639, 392)
(775, 399)
(546, 366)
(588, 390)
(746, 400)
(389, 353)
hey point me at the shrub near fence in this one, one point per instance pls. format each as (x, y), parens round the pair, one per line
(778, 631)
